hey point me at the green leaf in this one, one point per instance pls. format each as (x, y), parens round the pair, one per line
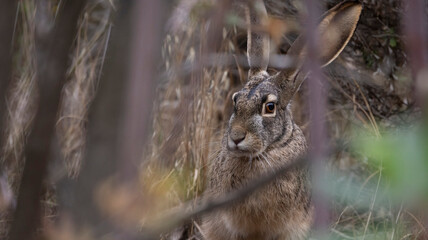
(401, 156)
(392, 42)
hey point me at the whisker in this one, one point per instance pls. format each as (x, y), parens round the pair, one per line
(267, 161)
(272, 161)
(264, 164)
(214, 154)
(258, 158)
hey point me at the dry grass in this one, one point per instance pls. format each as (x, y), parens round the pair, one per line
(22, 101)
(84, 74)
(23, 97)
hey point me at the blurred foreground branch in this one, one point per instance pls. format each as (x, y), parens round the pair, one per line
(317, 107)
(53, 44)
(276, 61)
(415, 28)
(148, 21)
(119, 117)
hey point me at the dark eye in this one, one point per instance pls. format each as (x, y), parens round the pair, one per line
(270, 107)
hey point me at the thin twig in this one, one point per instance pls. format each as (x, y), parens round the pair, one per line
(354, 101)
(341, 234)
(396, 220)
(103, 57)
(59, 6)
(15, 24)
(371, 118)
(416, 220)
(373, 202)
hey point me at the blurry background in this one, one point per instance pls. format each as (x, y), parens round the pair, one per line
(112, 110)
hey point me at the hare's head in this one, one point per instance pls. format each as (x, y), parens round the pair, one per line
(261, 116)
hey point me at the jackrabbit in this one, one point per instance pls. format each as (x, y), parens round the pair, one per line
(262, 136)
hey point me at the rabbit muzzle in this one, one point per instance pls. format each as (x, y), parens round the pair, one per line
(240, 142)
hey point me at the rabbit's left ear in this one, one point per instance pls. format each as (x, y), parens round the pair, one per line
(335, 30)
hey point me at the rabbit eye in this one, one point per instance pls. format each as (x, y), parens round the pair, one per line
(269, 109)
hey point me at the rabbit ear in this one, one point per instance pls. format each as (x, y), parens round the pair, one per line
(258, 42)
(335, 30)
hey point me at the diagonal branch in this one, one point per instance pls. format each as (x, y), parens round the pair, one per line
(171, 220)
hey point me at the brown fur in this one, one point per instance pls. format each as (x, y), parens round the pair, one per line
(259, 141)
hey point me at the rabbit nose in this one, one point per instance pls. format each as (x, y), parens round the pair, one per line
(237, 135)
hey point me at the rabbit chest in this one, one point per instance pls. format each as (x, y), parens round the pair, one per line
(282, 206)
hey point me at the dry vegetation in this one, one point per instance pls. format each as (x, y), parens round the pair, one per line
(368, 89)
(83, 74)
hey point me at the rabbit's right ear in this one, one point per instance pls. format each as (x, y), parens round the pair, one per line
(258, 42)
(335, 30)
